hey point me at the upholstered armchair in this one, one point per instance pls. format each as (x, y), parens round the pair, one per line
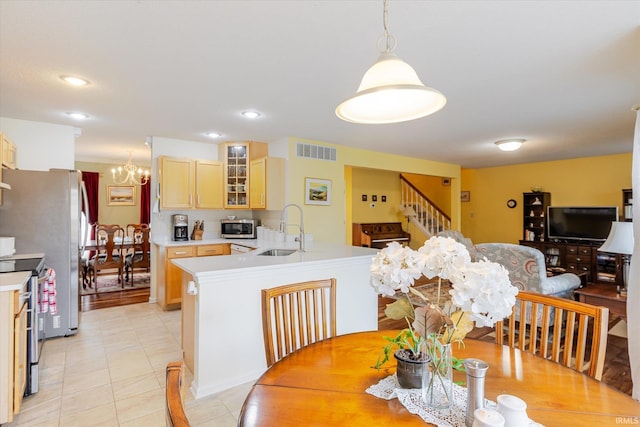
(527, 269)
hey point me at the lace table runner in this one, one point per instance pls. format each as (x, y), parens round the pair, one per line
(388, 388)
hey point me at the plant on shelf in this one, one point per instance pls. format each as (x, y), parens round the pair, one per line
(481, 293)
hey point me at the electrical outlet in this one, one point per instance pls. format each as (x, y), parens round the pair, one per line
(56, 322)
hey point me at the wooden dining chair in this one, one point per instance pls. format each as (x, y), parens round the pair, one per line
(297, 315)
(565, 331)
(140, 255)
(175, 414)
(109, 256)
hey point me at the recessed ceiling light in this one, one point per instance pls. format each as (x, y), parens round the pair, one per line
(251, 114)
(77, 116)
(75, 81)
(510, 144)
(213, 134)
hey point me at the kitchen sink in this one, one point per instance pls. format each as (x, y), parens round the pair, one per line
(278, 252)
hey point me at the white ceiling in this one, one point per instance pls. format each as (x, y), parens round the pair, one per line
(562, 74)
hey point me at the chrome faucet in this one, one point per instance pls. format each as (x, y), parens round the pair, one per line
(283, 224)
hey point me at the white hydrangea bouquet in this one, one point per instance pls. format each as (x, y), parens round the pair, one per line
(481, 293)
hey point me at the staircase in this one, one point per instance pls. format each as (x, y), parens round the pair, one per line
(421, 211)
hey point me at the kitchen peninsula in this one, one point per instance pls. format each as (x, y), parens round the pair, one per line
(222, 338)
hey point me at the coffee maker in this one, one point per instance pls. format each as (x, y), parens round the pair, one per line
(180, 227)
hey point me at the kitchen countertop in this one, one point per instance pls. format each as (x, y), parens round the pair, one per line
(24, 256)
(314, 252)
(13, 281)
(252, 243)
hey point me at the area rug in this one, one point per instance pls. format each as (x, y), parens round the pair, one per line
(109, 283)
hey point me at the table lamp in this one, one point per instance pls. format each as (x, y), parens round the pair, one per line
(620, 241)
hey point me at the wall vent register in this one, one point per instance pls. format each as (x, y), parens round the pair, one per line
(314, 151)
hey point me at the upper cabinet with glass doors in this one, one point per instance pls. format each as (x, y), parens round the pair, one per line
(236, 157)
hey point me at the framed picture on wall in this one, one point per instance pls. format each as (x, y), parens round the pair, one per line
(317, 191)
(121, 195)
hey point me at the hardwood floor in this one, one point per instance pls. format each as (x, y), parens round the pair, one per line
(617, 369)
(113, 299)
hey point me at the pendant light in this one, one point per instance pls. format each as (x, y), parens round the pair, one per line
(390, 91)
(130, 174)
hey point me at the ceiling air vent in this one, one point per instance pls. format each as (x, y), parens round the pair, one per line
(313, 151)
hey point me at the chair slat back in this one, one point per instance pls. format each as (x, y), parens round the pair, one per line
(565, 331)
(109, 240)
(141, 245)
(297, 315)
(175, 414)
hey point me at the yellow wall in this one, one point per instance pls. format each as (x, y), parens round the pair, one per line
(590, 181)
(374, 182)
(121, 215)
(329, 223)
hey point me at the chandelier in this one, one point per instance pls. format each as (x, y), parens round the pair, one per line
(390, 91)
(130, 174)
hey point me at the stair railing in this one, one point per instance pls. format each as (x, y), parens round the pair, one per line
(421, 211)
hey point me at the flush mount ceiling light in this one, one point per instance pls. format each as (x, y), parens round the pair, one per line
(251, 114)
(75, 81)
(213, 134)
(510, 144)
(77, 116)
(390, 91)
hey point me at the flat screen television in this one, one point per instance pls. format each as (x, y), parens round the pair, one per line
(580, 223)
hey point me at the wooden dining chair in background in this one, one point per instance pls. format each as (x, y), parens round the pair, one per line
(139, 257)
(565, 331)
(109, 256)
(297, 315)
(175, 415)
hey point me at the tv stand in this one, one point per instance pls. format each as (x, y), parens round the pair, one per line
(581, 257)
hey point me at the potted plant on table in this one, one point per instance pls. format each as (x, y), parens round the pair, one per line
(481, 292)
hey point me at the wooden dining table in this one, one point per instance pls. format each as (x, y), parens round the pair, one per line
(92, 245)
(324, 384)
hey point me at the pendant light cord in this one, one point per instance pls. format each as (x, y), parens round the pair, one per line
(388, 40)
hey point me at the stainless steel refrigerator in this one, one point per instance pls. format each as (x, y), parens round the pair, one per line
(42, 211)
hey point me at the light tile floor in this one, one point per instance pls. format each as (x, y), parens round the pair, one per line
(112, 373)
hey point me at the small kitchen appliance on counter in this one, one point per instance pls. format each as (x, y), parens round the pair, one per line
(238, 228)
(180, 227)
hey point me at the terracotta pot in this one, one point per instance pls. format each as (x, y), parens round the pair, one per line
(411, 373)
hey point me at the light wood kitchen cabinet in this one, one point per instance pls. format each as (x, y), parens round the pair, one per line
(13, 353)
(266, 187)
(237, 177)
(209, 250)
(9, 153)
(190, 184)
(208, 184)
(169, 289)
(8, 156)
(176, 183)
(20, 355)
(170, 276)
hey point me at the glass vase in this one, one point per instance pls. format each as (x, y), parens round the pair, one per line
(437, 392)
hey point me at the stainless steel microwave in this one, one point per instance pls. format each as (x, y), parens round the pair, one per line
(238, 228)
